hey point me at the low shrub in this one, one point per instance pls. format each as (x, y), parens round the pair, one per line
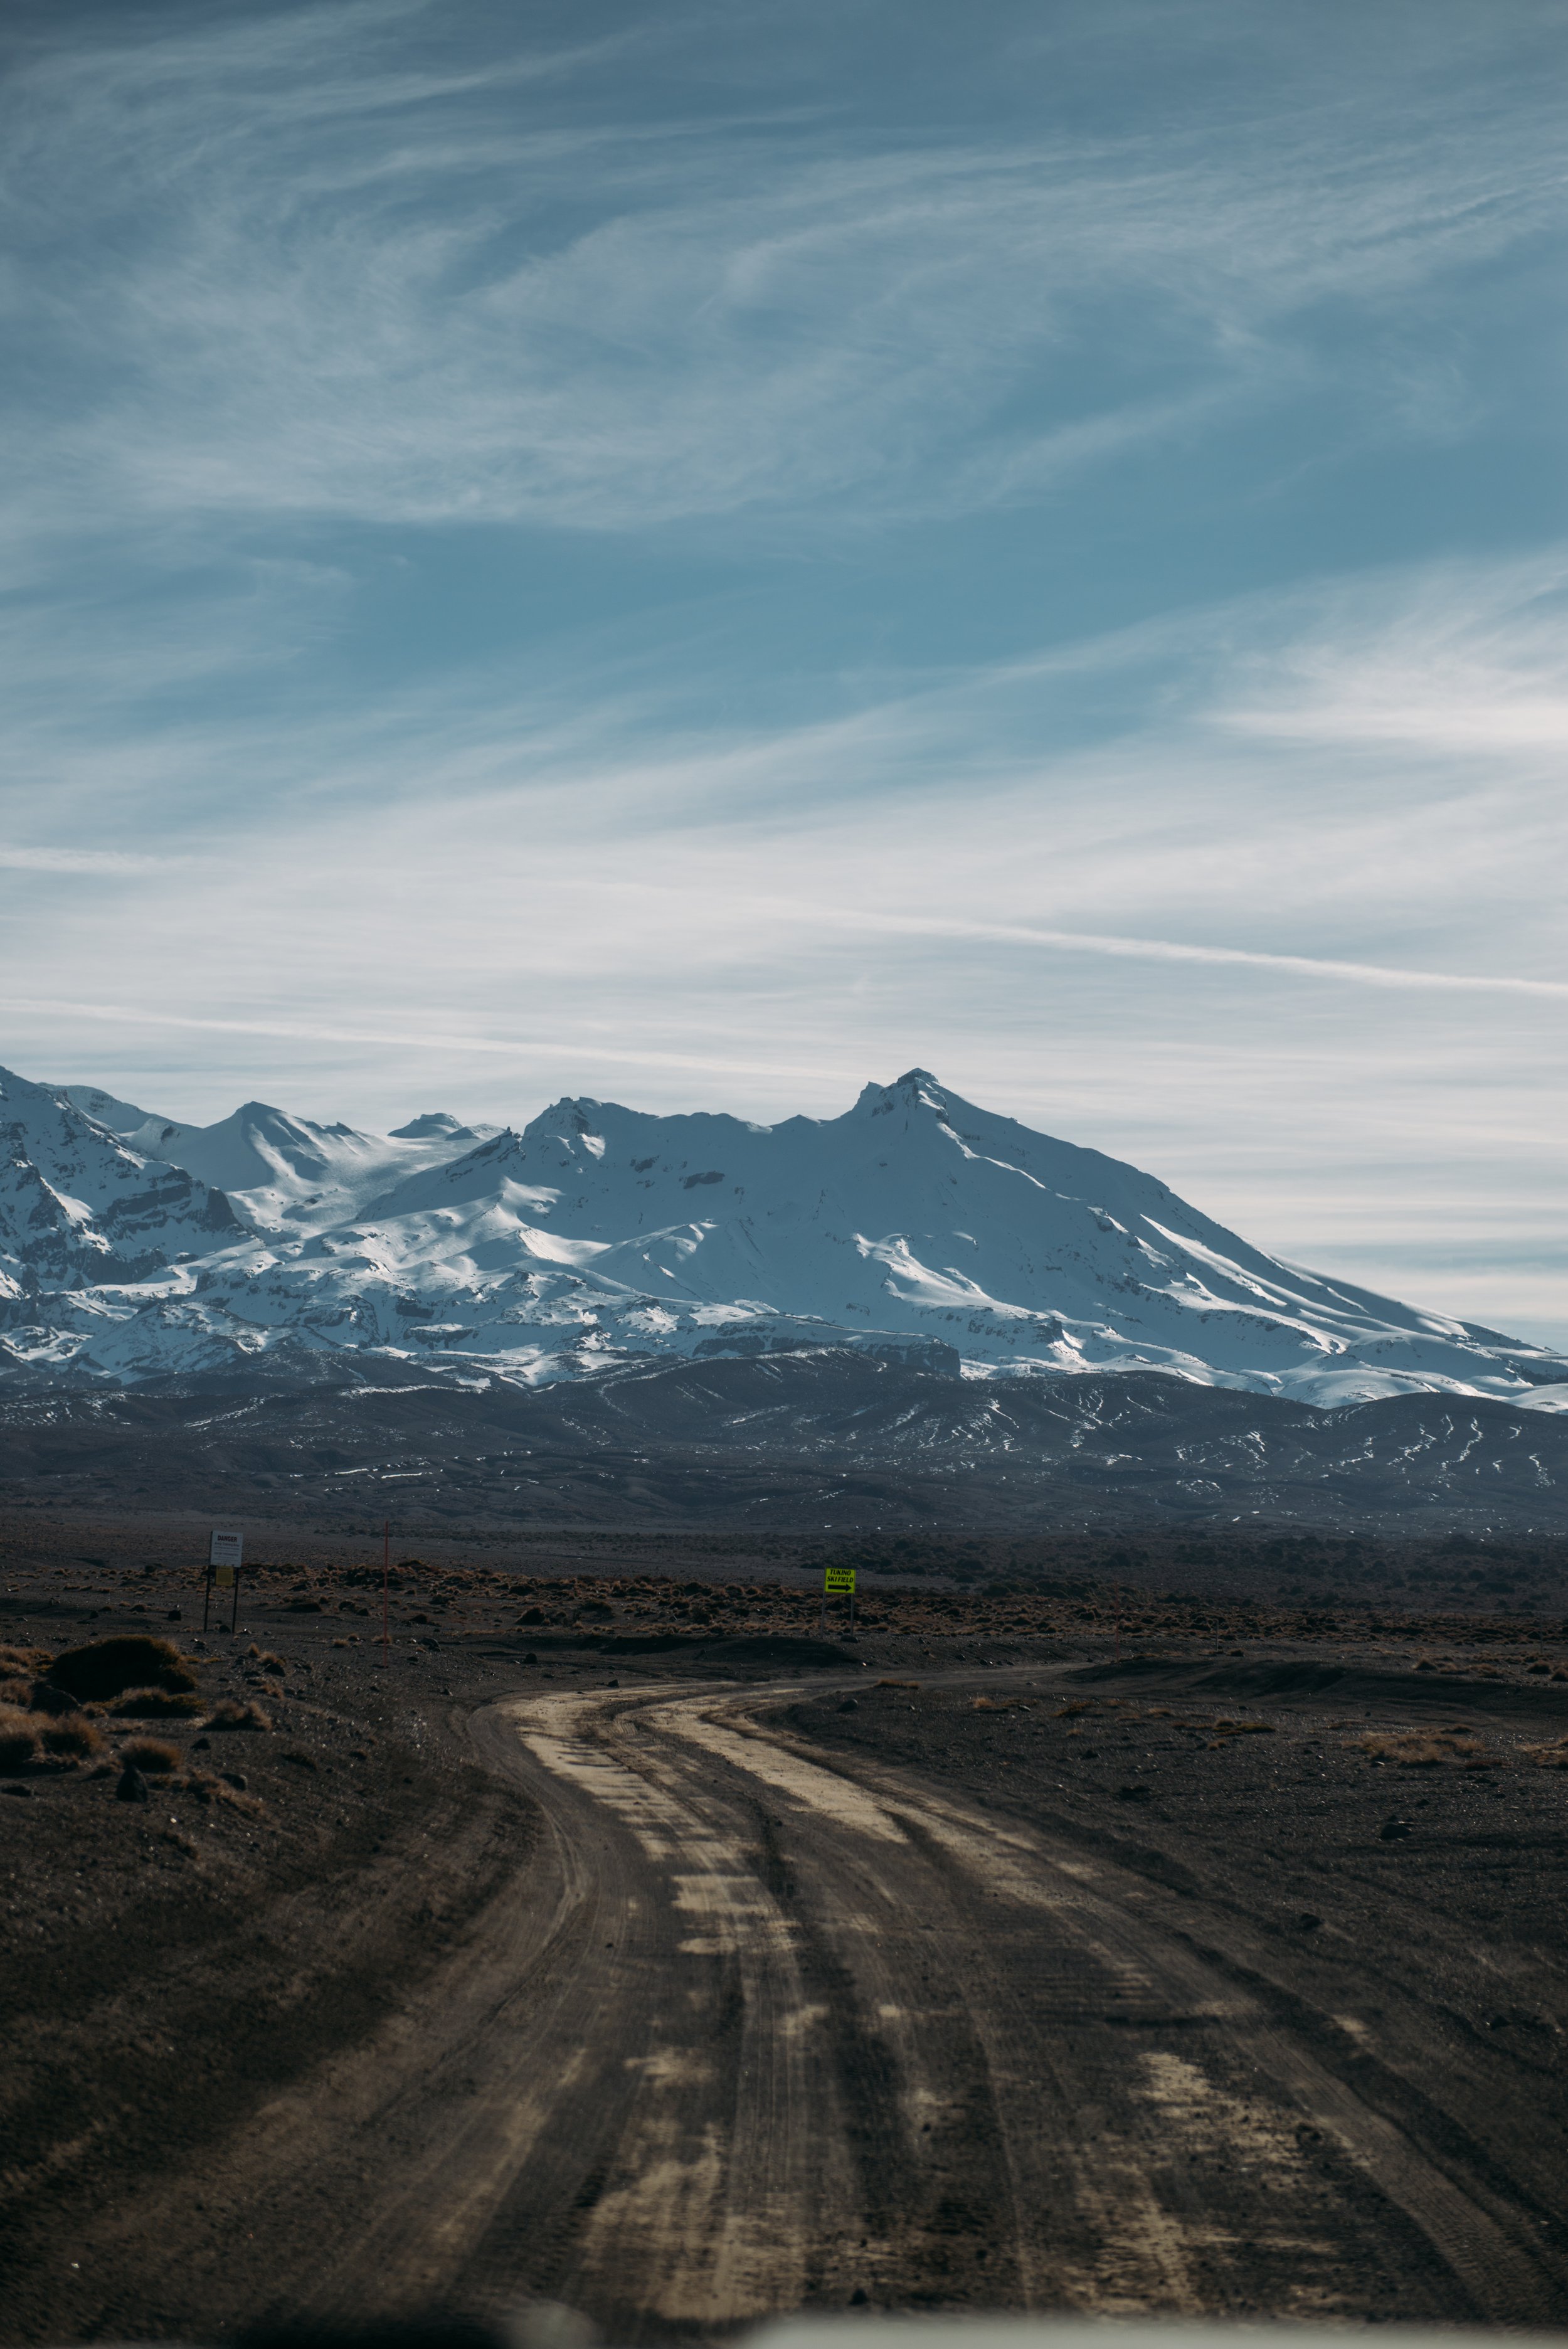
(24, 1663)
(105, 1669)
(45, 1696)
(157, 1704)
(264, 1660)
(232, 1715)
(19, 1741)
(73, 1734)
(151, 1755)
(1421, 1749)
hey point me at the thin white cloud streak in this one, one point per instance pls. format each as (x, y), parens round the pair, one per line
(527, 1048)
(113, 863)
(1344, 845)
(1313, 967)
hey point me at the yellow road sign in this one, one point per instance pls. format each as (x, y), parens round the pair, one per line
(842, 1579)
(224, 1576)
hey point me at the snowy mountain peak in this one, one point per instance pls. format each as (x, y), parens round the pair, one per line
(435, 1126)
(79, 1207)
(914, 1223)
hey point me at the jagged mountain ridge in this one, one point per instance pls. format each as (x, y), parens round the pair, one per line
(278, 1169)
(916, 1225)
(79, 1208)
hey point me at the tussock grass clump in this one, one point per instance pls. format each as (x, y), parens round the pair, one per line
(1428, 1749)
(158, 1704)
(902, 1685)
(105, 1669)
(24, 1663)
(265, 1660)
(1548, 1757)
(231, 1715)
(74, 1735)
(20, 1740)
(1002, 1704)
(153, 1756)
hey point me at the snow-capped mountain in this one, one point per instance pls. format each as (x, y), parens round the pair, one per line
(915, 1223)
(79, 1207)
(279, 1169)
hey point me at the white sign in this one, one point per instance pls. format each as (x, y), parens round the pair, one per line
(227, 1548)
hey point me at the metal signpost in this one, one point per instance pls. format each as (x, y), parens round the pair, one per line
(225, 1555)
(838, 1582)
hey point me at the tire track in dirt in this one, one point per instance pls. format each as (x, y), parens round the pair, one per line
(760, 2025)
(1023, 2082)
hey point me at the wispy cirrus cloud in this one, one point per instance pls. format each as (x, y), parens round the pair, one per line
(351, 284)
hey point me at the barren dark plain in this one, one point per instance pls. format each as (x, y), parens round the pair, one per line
(1174, 1924)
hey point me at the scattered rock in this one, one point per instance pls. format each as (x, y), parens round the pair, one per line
(1307, 1922)
(851, 1704)
(1393, 1830)
(1135, 1793)
(132, 1786)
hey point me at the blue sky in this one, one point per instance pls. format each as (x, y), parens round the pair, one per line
(704, 556)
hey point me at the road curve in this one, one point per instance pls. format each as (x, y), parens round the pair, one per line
(786, 2027)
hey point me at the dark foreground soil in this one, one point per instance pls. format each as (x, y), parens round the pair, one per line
(354, 2008)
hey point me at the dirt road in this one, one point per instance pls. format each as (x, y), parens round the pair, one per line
(763, 2022)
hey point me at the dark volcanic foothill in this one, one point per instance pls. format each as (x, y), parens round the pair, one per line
(797, 1441)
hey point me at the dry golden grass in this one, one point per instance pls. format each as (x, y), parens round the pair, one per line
(25, 1663)
(902, 1685)
(153, 1756)
(232, 1715)
(1428, 1749)
(264, 1660)
(20, 1739)
(157, 1704)
(73, 1733)
(1548, 1757)
(1003, 1704)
